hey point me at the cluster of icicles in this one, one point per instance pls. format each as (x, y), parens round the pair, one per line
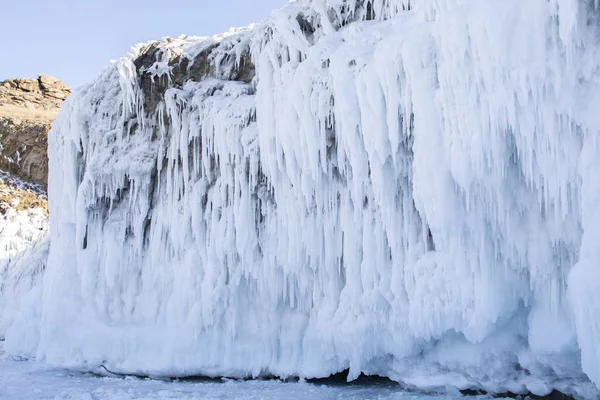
(407, 189)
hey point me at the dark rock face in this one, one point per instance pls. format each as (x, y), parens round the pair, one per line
(24, 149)
(27, 107)
(206, 64)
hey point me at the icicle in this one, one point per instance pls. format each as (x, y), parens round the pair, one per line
(415, 192)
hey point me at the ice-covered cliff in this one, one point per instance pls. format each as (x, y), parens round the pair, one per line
(394, 187)
(27, 108)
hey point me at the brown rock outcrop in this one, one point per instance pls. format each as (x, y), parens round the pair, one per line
(20, 195)
(27, 107)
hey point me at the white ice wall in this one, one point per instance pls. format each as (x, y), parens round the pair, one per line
(412, 195)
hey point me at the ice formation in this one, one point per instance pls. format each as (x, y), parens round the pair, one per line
(394, 187)
(24, 245)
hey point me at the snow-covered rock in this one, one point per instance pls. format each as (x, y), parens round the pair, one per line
(27, 108)
(394, 187)
(24, 244)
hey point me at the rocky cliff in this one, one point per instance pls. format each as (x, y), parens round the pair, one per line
(27, 107)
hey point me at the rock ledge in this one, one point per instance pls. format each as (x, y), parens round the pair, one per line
(27, 108)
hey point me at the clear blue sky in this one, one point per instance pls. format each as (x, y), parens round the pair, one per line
(74, 40)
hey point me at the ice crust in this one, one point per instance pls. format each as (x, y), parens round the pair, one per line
(407, 189)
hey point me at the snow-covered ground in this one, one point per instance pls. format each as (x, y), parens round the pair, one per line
(22, 380)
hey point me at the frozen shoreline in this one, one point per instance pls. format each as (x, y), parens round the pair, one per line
(28, 380)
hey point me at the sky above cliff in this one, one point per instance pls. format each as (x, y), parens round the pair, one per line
(74, 40)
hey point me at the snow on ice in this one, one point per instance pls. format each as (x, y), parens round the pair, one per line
(28, 380)
(402, 188)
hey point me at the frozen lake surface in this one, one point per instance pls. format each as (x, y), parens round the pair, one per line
(33, 381)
